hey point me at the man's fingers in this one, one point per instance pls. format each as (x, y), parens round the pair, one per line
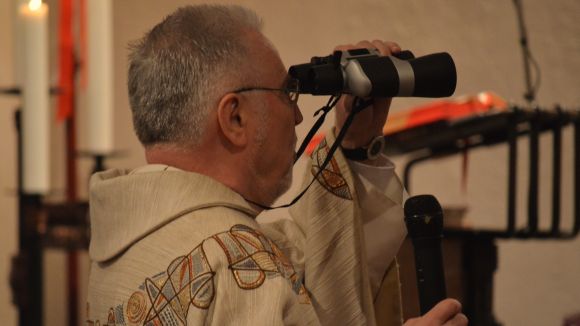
(443, 311)
(458, 320)
(383, 47)
(412, 322)
(344, 47)
(347, 101)
(446, 313)
(386, 48)
(395, 48)
(365, 44)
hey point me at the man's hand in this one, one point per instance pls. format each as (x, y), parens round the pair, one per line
(368, 123)
(446, 312)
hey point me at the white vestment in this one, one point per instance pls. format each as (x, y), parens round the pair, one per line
(171, 247)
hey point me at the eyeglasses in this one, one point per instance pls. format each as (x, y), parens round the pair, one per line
(292, 90)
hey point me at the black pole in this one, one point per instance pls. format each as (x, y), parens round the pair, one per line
(27, 273)
(512, 171)
(534, 171)
(479, 272)
(576, 174)
(557, 168)
(99, 163)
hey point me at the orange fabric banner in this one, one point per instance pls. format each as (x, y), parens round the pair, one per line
(66, 61)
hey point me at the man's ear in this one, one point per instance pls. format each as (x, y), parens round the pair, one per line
(232, 119)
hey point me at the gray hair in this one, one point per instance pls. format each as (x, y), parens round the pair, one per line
(177, 69)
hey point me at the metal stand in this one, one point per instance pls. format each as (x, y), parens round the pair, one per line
(26, 278)
(99, 163)
(41, 225)
(27, 269)
(478, 291)
(480, 250)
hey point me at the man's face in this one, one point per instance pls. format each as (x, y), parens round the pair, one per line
(273, 148)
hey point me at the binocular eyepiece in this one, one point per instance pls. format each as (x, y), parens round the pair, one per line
(364, 73)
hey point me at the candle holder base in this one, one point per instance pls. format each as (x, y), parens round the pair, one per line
(99, 163)
(100, 158)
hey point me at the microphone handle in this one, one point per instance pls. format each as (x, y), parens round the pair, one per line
(430, 275)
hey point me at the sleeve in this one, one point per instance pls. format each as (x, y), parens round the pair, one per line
(334, 256)
(272, 303)
(381, 195)
(343, 238)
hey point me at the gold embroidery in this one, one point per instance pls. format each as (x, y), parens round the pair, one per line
(111, 317)
(189, 280)
(331, 177)
(136, 307)
(256, 258)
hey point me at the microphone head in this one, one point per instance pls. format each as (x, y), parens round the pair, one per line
(423, 216)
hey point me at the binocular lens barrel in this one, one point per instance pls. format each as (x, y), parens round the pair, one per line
(432, 75)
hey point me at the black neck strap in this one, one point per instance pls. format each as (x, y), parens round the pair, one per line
(359, 104)
(325, 109)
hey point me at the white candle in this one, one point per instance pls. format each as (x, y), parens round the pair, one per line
(18, 45)
(100, 77)
(35, 98)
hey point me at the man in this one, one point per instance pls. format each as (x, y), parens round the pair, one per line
(176, 242)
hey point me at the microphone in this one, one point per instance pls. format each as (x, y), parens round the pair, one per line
(424, 220)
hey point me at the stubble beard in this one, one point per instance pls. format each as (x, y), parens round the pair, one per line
(274, 191)
(265, 189)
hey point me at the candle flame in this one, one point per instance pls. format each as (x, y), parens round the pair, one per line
(34, 4)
